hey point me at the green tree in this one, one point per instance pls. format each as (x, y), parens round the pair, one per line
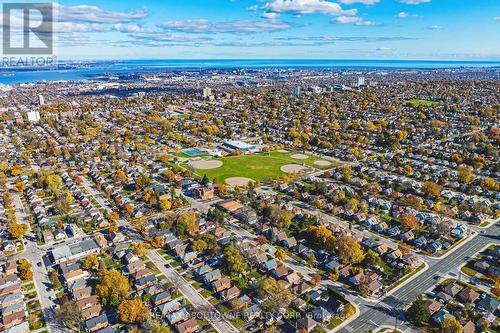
(418, 313)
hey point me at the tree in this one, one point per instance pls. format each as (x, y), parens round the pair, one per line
(349, 310)
(275, 295)
(120, 175)
(404, 248)
(431, 189)
(311, 260)
(346, 172)
(363, 289)
(16, 230)
(234, 261)
(113, 217)
(54, 279)
(199, 245)
(157, 242)
(24, 268)
(464, 174)
(112, 288)
(334, 274)
(187, 224)
(418, 313)
(451, 325)
(315, 278)
(372, 258)
(409, 221)
(165, 204)
(140, 249)
(280, 254)
(129, 208)
(20, 186)
(133, 311)
(90, 261)
(70, 316)
(350, 251)
(490, 184)
(154, 326)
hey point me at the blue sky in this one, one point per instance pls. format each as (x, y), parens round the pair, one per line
(268, 29)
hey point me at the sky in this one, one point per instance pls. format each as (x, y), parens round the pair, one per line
(276, 29)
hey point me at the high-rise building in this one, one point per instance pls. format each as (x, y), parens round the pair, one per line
(361, 81)
(297, 91)
(41, 100)
(33, 116)
(207, 92)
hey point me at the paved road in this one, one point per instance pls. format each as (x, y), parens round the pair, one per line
(373, 315)
(199, 302)
(41, 279)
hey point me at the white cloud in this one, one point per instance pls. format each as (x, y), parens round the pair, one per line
(497, 18)
(270, 15)
(414, 2)
(308, 7)
(435, 27)
(403, 15)
(161, 37)
(253, 8)
(364, 2)
(354, 20)
(232, 27)
(94, 14)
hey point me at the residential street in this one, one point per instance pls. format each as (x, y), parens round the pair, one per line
(199, 303)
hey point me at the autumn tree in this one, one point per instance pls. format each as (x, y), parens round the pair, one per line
(157, 242)
(24, 269)
(133, 311)
(112, 288)
(234, 261)
(431, 189)
(350, 251)
(90, 261)
(451, 325)
(490, 184)
(274, 294)
(409, 221)
(16, 230)
(349, 311)
(165, 204)
(465, 175)
(140, 249)
(187, 224)
(280, 254)
(113, 217)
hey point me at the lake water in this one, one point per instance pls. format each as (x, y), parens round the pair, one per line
(135, 66)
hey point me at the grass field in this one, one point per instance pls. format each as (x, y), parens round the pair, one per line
(421, 102)
(256, 167)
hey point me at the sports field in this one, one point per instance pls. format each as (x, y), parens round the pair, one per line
(256, 167)
(423, 102)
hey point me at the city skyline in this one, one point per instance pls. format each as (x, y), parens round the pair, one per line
(277, 29)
